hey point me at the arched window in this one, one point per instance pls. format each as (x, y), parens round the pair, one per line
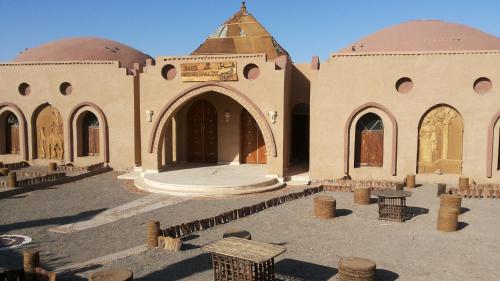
(369, 142)
(11, 134)
(90, 135)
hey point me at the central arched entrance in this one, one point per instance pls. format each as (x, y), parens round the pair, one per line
(369, 142)
(202, 132)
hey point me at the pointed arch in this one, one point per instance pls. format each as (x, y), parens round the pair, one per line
(23, 127)
(158, 130)
(347, 129)
(489, 145)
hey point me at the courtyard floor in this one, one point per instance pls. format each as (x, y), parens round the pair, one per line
(413, 250)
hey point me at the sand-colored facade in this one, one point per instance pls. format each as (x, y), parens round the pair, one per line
(375, 110)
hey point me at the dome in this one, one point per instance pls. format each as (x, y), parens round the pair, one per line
(84, 49)
(241, 34)
(425, 35)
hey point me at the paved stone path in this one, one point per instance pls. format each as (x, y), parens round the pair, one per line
(136, 207)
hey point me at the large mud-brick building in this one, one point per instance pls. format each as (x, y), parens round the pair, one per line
(418, 97)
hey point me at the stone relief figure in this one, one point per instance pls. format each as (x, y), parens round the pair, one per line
(435, 141)
(50, 134)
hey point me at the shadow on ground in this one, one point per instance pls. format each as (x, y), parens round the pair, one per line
(305, 270)
(51, 221)
(180, 270)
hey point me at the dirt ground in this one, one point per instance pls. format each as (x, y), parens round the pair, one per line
(413, 250)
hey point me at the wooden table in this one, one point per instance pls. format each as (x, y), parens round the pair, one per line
(240, 259)
(392, 204)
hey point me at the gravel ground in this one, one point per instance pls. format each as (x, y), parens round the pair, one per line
(33, 213)
(413, 250)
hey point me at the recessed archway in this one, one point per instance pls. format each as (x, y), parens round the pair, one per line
(347, 135)
(440, 141)
(103, 128)
(48, 134)
(7, 107)
(159, 128)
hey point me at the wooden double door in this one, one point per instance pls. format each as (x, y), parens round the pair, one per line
(202, 132)
(371, 148)
(253, 149)
(12, 135)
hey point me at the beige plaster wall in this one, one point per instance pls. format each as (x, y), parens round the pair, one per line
(346, 82)
(102, 83)
(266, 92)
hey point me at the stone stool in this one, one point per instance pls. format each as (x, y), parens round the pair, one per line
(238, 233)
(362, 196)
(447, 219)
(324, 207)
(114, 274)
(12, 179)
(451, 201)
(356, 269)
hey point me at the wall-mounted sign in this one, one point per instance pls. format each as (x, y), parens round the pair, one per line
(209, 71)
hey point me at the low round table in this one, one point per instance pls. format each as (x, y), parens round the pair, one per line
(113, 274)
(392, 204)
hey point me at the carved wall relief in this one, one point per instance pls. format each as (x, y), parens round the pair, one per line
(440, 142)
(49, 131)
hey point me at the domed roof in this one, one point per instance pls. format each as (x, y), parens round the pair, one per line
(241, 34)
(426, 35)
(84, 49)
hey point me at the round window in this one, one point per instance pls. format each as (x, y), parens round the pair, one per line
(251, 71)
(169, 72)
(24, 89)
(482, 85)
(66, 88)
(404, 85)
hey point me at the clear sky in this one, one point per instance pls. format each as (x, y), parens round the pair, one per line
(177, 27)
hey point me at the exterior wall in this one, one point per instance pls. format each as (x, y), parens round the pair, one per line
(101, 83)
(346, 82)
(266, 92)
(301, 85)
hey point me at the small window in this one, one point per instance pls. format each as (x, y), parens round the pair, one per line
(482, 85)
(66, 88)
(24, 89)
(251, 71)
(169, 72)
(404, 85)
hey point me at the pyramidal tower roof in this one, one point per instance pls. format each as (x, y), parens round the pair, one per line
(241, 34)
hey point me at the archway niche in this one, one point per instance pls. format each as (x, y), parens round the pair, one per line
(48, 128)
(10, 134)
(88, 134)
(369, 141)
(440, 141)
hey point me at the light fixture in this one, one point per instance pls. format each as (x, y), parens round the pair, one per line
(272, 115)
(227, 114)
(149, 115)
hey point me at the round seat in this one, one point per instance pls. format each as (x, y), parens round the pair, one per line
(356, 269)
(238, 233)
(451, 201)
(113, 274)
(362, 196)
(447, 219)
(324, 207)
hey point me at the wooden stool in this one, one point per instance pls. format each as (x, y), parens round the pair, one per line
(152, 233)
(12, 179)
(356, 269)
(451, 201)
(114, 274)
(362, 196)
(463, 183)
(4, 172)
(52, 167)
(238, 233)
(31, 260)
(410, 181)
(324, 207)
(447, 219)
(441, 189)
